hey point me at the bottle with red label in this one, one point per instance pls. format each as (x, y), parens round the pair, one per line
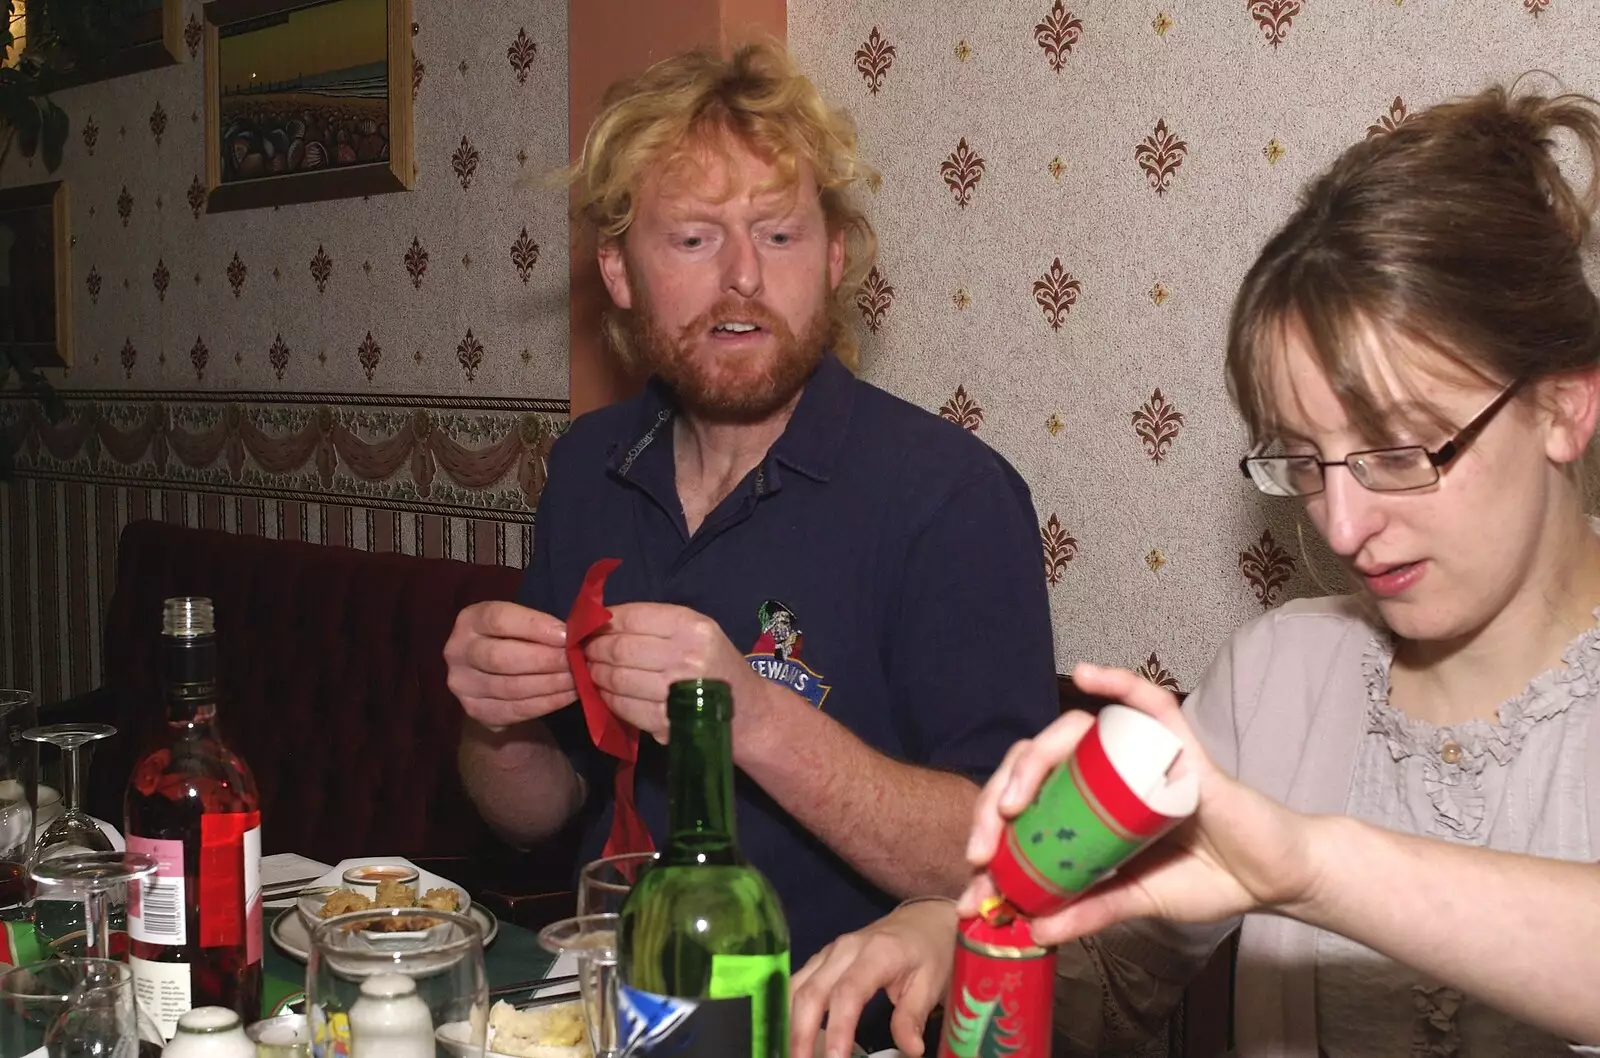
(195, 927)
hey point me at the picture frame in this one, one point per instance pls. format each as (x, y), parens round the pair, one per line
(156, 40)
(36, 272)
(306, 100)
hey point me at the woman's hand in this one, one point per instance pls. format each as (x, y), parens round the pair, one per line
(1240, 852)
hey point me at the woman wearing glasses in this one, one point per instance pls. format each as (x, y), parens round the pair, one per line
(1400, 805)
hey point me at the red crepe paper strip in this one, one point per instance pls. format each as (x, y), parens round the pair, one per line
(610, 733)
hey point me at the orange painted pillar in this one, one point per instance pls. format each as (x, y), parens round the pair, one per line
(606, 41)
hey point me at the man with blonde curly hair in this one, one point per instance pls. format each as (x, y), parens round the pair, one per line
(865, 575)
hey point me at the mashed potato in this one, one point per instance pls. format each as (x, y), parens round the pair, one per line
(554, 1031)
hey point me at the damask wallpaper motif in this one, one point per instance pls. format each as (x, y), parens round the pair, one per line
(383, 373)
(1071, 194)
(457, 287)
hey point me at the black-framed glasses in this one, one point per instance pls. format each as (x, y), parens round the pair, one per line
(1379, 469)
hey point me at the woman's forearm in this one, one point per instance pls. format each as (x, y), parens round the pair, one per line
(1521, 933)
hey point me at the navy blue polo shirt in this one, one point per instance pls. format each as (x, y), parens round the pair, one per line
(880, 561)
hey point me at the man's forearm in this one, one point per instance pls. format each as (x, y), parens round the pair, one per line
(521, 781)
(903, 827)
(1518, 932)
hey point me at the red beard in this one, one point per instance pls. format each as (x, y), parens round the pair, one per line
(730, 386)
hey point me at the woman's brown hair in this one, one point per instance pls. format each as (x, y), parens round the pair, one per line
(1456, 232)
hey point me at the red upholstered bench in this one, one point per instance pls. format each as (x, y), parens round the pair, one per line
(333, 691)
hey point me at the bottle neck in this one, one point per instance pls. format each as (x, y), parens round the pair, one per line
(190, 679)
(700, 823)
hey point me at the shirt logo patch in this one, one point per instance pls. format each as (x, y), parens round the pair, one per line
(776, 655)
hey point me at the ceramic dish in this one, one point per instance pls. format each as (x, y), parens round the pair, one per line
(309, 904)
(290, 934)
(453, 1037)
(365, 878)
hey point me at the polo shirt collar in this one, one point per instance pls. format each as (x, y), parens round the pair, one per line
(810, 443)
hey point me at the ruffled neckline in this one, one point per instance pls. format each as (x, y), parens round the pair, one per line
(1454, 786)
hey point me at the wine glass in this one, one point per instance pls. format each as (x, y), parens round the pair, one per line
(74, 830)
(73, 1008)
(19, 776)
(71, 832)
(593, 940)
(94, 878)
(605, 883)
(392, 981)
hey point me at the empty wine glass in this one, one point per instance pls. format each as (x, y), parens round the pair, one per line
(98, 879)
(74, 830)
(393, 981)
(604, 884)
(592, 940)
(73, 1008)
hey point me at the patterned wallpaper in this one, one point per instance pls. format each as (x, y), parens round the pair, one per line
(1071, 194)
(386, 373)
(458, 287)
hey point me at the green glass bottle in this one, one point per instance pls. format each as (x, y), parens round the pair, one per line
(703, 948)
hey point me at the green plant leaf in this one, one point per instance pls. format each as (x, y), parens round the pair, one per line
(53, 133)
(22, 112)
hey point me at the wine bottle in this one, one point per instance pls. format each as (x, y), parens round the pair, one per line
(195, 927)
(702, 946)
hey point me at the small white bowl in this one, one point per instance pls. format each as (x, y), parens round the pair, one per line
(366, 877)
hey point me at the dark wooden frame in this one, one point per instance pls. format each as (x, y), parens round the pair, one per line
(54, 196)
(160, 37)
(348, 182)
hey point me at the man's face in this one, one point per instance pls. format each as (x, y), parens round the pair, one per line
(728, 276)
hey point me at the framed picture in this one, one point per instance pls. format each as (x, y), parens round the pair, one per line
(36, 273)
(155, 39)
(306, 100)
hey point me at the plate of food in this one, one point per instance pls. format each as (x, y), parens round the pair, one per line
(547, 1030)
(373, 883)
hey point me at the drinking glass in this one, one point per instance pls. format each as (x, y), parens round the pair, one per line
(19, 778)
(604, 884)
(70, 832)
(593, 940)
(74, 830)
(390, 981)
(99, 879)
(73, 1008)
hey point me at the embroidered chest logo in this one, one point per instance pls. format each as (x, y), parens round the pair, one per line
(776, 655)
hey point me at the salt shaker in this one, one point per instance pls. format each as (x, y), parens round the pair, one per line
(390, 1020)
(210, 1032)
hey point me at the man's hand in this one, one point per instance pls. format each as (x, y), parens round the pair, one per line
(647, 647)
(907, 954)
(508, 663)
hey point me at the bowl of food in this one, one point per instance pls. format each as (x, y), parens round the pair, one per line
(325, 901)
(548, 1030)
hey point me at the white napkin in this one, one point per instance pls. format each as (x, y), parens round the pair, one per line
(284, 866)
(566, 965)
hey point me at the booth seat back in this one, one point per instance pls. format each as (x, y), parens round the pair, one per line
(333, 684)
